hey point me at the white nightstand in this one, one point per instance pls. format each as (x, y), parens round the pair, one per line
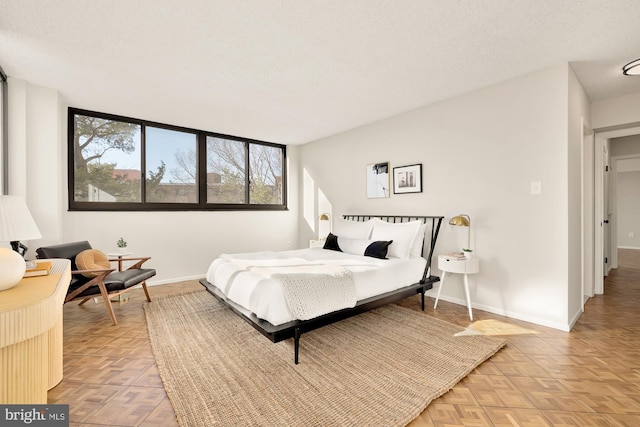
(464, 266)
(316, 243)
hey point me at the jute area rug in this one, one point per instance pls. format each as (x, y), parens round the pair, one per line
(380, 368)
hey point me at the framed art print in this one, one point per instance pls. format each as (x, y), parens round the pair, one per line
(407, 179)
(378, 180)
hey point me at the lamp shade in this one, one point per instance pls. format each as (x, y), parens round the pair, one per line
(16, 222)
(461, 220)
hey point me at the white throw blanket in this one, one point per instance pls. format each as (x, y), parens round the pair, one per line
(310, 289)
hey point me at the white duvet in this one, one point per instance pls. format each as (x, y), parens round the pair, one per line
(264, 296)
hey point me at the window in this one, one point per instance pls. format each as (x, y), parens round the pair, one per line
(172, 167)
(118, 163)
(265, 167)
(226, 163)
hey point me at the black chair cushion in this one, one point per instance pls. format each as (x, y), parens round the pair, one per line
(116, 281)
(127, 278)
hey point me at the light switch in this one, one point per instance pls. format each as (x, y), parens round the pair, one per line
(536, 188)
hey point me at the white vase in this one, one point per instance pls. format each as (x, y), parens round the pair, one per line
(468, 254)
(122, 250)
(12, 266)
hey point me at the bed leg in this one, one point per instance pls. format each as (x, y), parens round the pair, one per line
(422, 298)
(296, 345)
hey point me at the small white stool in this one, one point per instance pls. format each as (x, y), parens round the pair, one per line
(464, 266)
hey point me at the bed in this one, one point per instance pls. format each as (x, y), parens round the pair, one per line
(367, 261)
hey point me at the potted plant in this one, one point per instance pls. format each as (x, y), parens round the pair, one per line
(122, 245)
(467, 252)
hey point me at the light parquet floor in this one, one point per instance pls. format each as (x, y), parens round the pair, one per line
(589, 377)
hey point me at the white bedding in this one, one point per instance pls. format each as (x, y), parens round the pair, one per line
(263, 295)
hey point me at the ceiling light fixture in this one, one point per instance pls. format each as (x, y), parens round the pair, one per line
(632, 68)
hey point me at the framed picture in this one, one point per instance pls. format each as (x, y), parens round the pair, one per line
(378, 180)
(407, 179)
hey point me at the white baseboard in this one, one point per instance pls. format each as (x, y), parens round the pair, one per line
(506, 313)
(175, 279)
(629, 247)
(575, 318)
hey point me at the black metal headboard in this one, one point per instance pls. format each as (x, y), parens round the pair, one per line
(432, 231)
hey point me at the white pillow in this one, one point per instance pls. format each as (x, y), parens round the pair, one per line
(403, 235)
(353, 229)
(416, 246)
(357, 246)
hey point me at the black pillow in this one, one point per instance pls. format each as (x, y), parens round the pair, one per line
(332, 243)
(375, 249)
(378, 249)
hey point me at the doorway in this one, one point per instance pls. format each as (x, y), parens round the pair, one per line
(604, 215)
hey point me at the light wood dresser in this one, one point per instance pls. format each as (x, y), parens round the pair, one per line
(31, 336)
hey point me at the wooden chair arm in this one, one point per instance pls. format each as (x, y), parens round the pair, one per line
(104, 272)
(129, 259)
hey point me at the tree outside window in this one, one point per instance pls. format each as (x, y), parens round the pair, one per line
(106, 168)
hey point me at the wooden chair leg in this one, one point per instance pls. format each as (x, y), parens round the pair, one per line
(146, 292)
(85, 300)
(107, 302)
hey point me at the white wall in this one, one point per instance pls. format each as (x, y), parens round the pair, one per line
(625, 146)
(628, 201)
(578, 114)
(625, 152)
(35, 154)
(181, 244)
(480, 152)
(620, 111)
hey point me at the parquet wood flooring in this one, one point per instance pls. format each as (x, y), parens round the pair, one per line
(588, 377)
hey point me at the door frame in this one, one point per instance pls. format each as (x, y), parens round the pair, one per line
(601, 138)
(586, 219)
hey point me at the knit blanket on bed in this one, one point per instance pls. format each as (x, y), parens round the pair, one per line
(310, 290)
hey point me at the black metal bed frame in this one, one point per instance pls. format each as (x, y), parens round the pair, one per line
(296, 328)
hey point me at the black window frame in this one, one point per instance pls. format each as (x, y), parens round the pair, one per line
(143, 205)
(4, 134)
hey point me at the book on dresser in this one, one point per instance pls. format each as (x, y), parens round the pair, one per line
(42, 268)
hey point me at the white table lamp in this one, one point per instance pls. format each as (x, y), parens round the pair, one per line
(326, 217)
(463, 220)
(16, 223)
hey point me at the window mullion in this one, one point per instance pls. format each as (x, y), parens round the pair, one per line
(201, 169)
(247, 174)
(143, 164)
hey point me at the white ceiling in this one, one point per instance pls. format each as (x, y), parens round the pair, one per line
(293, 71)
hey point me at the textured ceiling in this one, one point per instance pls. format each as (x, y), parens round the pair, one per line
(296, 71)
